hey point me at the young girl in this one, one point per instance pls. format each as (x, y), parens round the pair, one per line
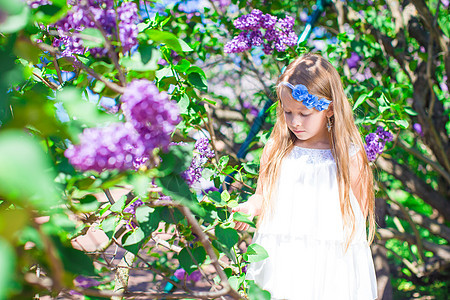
(314, 194)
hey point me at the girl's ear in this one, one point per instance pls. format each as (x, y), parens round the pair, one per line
(330, 111)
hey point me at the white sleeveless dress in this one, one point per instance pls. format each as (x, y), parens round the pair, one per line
(304, 237)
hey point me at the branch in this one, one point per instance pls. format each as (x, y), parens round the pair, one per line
(436, 166)
(432, 225)
(210, 251)
(442, 251)
(428, 19)
(416, 185)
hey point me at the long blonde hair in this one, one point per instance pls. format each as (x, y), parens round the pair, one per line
(322, 80)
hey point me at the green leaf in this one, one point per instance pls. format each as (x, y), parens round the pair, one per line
(8, 263)
(74, 261)
(186, 261)
(81, 110)
(16, 20)
(87, 204)
(216, 197)
(92, 38)
(109, 225)
(410, 111)
(244, 218)
(182, 66)
(140, 183)
(361, 99)
(184, 46)
(175, 187)
(167, 38)
(223, 161)
(148, 219)
(225, 196)
(257, 293)
(251, 168)
(135, 237)
(402, 123)
(198, 81)
(255, 253)
(26, 175)
(227, 236)
(145, 61)
(119, 205)
(183, 104)
(177, 160)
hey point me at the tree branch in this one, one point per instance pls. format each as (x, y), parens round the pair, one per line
(416, 185)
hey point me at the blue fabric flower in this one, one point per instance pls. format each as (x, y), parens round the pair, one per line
(322, 104)
(299, 92)
(309, 101)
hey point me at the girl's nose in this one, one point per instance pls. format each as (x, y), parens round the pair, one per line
(297, 121)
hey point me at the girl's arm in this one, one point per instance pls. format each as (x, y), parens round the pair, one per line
(253, 206)
(356, 164)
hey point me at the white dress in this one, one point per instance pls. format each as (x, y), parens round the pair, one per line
(304, 237)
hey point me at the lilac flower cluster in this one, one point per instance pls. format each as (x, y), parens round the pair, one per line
(278, 33)
(151, 118)
(84, 283)
(203, 152)
(195, 276)
(114, 147)
(376, 141)
(82, 16)
(150, 112)
(131, 209)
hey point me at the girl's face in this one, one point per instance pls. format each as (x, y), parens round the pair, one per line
(308, 125)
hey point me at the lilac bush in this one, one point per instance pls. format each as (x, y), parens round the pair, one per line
(265, 30)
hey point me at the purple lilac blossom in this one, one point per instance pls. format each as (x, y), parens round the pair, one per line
(418, 128)
(353, 60)
(114, 147)
(150, 112)
(195, 276)
(443, 84)
(131, 209)
(376, 141)
(278, 33)
(81, 17)
(201, 154)
(85, 282)
(445, 3)
(151, 118)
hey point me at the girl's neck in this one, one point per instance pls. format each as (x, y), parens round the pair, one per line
(323, 144)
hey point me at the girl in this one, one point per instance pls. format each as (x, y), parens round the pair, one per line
(314, 194)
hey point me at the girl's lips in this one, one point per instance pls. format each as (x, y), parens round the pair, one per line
(299, 131)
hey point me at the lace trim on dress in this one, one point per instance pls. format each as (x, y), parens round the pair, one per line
(311, 155)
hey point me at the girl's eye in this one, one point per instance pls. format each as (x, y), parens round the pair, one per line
(287, 112)
(305, 115)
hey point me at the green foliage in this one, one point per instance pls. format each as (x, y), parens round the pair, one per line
(45, 204)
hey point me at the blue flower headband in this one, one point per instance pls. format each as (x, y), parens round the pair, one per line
(300, 93)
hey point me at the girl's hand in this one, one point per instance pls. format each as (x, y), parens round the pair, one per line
(247, 208)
